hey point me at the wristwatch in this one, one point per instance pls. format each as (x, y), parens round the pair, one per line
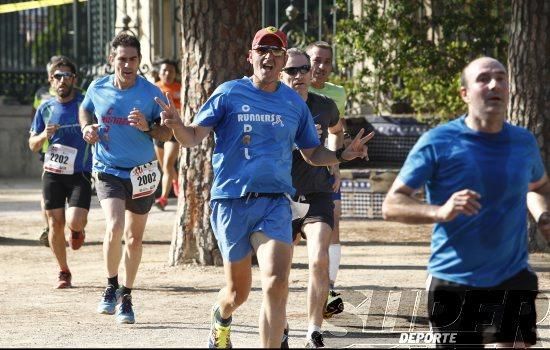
(150, 129)
(339, 155)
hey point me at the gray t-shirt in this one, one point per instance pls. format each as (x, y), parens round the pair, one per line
(307, 178)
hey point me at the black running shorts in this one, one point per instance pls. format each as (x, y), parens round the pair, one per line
(59, 189)
(502, 314)
(321, 209)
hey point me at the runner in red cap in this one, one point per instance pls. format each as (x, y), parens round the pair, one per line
(257, 121)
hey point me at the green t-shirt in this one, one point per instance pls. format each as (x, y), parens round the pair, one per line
(336, 93)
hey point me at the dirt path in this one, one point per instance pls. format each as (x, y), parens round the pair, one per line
(382, 264)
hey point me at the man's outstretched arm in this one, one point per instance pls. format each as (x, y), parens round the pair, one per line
(186, 135)
(400, 205)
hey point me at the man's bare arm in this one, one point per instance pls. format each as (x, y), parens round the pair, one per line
(335, 142)
(538, 204)
(538, 197)
(85, 118)
(89, 129)
(191, 135)
(186, 135)
(400, 205)
(336, 136)
(36, 141)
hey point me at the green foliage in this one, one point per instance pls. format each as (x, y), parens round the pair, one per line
(402, 53)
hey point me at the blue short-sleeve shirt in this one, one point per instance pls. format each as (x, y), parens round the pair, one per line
(121, 146)
(484, 249)
(254, 134)
(65, 115)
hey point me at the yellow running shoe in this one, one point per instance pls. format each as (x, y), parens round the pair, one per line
(220, 335)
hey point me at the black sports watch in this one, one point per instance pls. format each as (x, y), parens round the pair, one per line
(339, 155)
(150, 128)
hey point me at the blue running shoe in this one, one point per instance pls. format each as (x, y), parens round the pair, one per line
(108, 301)
(124, 313)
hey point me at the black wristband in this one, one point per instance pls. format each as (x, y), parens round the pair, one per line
(339, 155)
(84, 127)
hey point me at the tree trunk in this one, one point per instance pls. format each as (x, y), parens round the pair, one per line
(216, 37)
(529, 62)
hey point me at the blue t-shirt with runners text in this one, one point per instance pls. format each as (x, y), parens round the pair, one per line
(254, 133)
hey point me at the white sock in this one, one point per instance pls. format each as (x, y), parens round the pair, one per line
(312, 328)
(334, 255)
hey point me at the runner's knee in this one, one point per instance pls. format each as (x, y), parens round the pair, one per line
(319, 262)
(114, 232)
(57, 224)
(134, 243)
(237, 296)
(276, 286)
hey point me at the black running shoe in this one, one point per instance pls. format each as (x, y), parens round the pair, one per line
(315, 342)
(44, 237)
(334, 305)
(284, 341)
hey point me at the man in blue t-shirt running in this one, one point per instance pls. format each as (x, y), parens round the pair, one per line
(125, 170)
(481, 175)
(44, 93)
(67, 164)
(256, 122)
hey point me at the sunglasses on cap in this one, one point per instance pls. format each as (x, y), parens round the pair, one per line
(292, 71)
(265, 49)
(60, 75)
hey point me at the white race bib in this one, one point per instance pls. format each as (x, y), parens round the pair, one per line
(145, 179)
(59, 159)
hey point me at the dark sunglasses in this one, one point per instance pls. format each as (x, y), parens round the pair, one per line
(60, 75)
(292, 71)
(265, 49)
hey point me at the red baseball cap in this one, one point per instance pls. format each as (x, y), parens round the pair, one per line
(272, 31)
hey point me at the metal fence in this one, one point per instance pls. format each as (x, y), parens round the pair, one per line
(305, 21)
(82, 30)
(28, 38)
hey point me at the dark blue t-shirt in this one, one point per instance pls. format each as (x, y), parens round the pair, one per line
(66, 116)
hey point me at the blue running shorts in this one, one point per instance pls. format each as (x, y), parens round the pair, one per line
(336, 196)
(235, 219)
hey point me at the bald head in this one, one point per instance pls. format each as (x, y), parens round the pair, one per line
(485, 90)
(473, 67)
